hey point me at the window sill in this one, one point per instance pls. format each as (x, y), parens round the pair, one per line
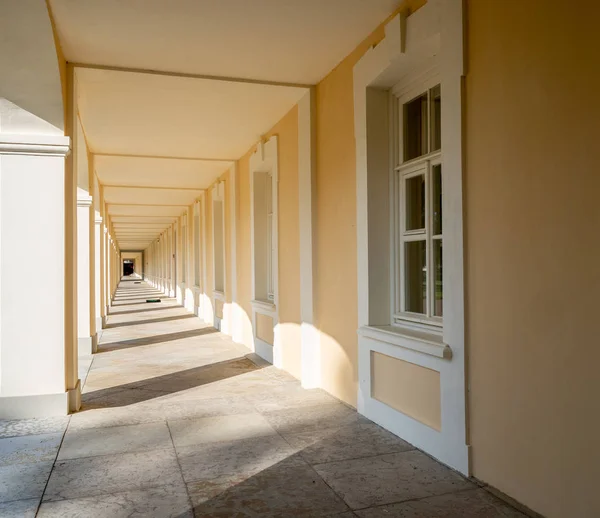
(419, 341)
(263, 305)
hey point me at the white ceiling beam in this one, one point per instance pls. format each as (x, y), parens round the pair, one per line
(186, 75)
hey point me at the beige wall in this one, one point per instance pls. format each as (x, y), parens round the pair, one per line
(288, 242)
(243, 244)
(336, 290)
(409, 388)
(533, 256)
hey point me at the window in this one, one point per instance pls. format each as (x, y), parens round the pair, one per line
(269, 230)
(219, 245)
(418, 187)
(184, 249)
(196, 244)
(264, 243)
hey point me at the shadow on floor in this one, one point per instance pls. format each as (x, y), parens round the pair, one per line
(155, 339)
(140, 391)
(151, 321)
(129, 312)
(141, 301)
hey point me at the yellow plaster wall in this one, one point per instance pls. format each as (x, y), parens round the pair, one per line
(336, 289)
(264, 328)
(533, 256)
(289, 242)
(409, 388)
(243, 247)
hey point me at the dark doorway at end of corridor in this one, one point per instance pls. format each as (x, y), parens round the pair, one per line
(127, 267)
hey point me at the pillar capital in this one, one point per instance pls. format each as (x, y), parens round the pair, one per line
(35, 145)
(84, 201)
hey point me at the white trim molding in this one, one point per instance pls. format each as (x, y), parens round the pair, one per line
(431, 36)
(237, 334)
(85, 201)
(35, 145)
(265, 160)
(309, 334)
(218, 195)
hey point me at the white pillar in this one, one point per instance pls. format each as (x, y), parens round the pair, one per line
(98, 273)
(33, 348)
(105, 274)
(85, 340)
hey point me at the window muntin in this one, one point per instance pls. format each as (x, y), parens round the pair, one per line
(418, 183)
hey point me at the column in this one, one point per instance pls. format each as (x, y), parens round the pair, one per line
(84, 327)
(34, 350)
(98, 234)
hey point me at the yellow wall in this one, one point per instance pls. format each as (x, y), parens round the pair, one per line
(336, 289)
(264, 328)
(243, 244)
(533, 256)
(409, 388)
(289, 242)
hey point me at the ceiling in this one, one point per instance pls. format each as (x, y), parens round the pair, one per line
(171, 93)
(153, 115)
(296, 41)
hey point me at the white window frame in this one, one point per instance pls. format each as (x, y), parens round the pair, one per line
(197, 243)
(218, 196)
(184, 248)
(265, 161)
(431, 35)
(401, 171)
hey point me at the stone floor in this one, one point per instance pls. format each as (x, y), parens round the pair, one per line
(179, 421)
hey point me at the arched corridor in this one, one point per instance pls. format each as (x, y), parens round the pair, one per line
(299, 258)
(178, 420)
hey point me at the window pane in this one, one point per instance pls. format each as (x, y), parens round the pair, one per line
(435, 113)
(415, 202)
(415, 128)
(438, 297)
(415, 277)
(436, 204)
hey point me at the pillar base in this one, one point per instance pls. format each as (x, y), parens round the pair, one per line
(74, 397)
(104, 322)
(95, 343)
(41, 405)
(85, 345)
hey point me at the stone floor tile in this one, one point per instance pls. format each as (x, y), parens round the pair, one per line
(119, 416)
(390, 478)
(112, 473)
(289, 488)
(284, 396)
(23, 481)
(19, 508)
(18, 427)
(157, 502)
(190, 432)
(244, 458)
(117, 439)
(349, 442)
(476, 503)
(209, 407)
(313, 417)
(29, 448)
